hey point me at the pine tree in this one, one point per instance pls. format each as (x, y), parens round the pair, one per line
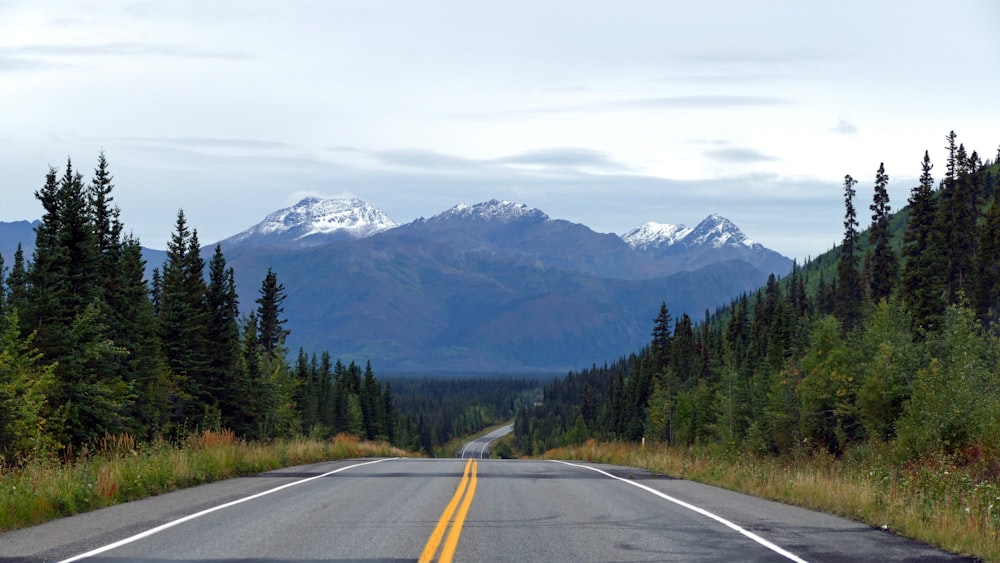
(660, 346)
(183, 322)
(46, 285)
(3, 287)
(17, 282)
(269, 313)
(884, 266)
(922, 278)
(955, 226)
(107, 228)
(134, 327)
(223, 332)
(848, 304)
(987, 287)
(372, 405)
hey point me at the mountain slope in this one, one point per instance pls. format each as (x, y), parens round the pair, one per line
(15, 232)
(314, 222)
(494, 286)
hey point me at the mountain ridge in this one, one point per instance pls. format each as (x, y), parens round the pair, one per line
(495, 286)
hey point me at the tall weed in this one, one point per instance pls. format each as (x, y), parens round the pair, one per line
(118, 469)
(949, 501)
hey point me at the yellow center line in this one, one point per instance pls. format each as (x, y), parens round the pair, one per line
(456, 527)
(466, 488)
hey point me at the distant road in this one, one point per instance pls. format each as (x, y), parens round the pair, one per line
(465, 510)
(480, 447)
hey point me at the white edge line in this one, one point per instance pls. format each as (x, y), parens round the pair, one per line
(699, 510)
(173, 523)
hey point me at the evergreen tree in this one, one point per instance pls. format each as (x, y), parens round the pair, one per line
(134, 328)
(46, 283)
(372, 405)
(922, 282)
(3, 287)
(183, 323)
(987, 287)
(269, 313)
(660, 346)
(884, 267)
(223, 332)
(848, 304)
(17, 282)
(107, 228)
(26, 382)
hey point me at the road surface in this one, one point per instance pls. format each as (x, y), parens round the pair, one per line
(465, 510)
(480, 447)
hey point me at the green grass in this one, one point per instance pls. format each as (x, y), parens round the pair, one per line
(121, 470)
(954, 505)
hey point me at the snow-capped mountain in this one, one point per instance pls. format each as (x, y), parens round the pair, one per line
(314, 221)
(492, 210)
(654, 235)
(494, 286)
(715, 239)
(715, 231)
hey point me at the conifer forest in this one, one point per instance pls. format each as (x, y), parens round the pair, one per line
(892, 336)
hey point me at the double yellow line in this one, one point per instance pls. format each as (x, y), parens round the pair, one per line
(466, 489)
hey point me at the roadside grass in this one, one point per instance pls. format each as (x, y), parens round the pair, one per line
(953, 503)
(118, 469)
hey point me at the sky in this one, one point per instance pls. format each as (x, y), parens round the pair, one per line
(609, 114)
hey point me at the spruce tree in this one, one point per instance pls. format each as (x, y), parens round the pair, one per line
(922, 279)
(848, 302)
(107, 228)
(269, 313)
(183, 322)
(884, 266)
(3, 287)
(17, 282)
(660, 346)
(223, 334)
(987, 287)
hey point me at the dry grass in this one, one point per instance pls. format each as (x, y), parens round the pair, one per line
(119, 469)
(948, 503)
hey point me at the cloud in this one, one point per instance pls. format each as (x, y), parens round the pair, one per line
(423, 159)
(127, 49)
(702, 101)
(737, 154)
(209, 142)
(845, 127)
(564, 158)
(17, 64)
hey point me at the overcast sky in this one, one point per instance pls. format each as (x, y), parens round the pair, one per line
(609, 114)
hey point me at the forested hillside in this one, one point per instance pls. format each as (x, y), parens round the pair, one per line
(891, 336)
(88, 348)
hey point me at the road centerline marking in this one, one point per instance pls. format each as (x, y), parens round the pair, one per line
(465, 490)
(772, 546)
(448, 552)
(189, 517)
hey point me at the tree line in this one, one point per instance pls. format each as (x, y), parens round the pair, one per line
(891, 336)
(88, 347)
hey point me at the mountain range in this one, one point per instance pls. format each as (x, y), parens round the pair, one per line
(492, 287)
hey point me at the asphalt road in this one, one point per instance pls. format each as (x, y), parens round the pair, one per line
(480, 447)
(471, 510)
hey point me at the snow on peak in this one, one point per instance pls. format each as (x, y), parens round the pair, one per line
(313, 216)
(715, 230)
(495, 210)
(653, 235)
